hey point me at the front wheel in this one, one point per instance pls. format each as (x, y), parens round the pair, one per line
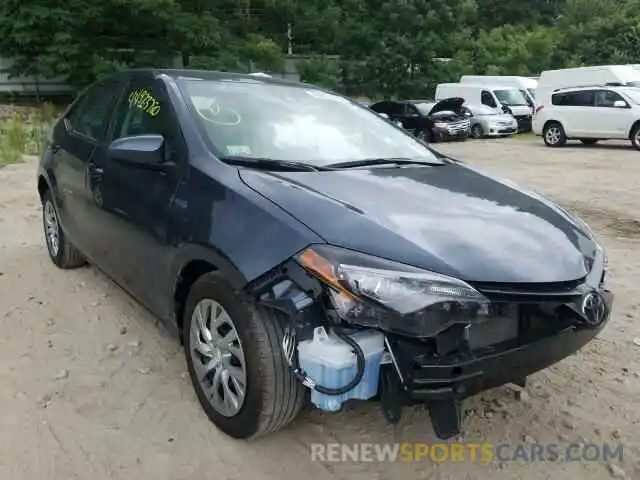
(553, 135)
(476, 131)
(235, 361)
(425, 136)
(635, 137)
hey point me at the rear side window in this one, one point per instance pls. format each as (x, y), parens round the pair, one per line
(391, 108)
(583, 98)
(91, 116)
(383, 107)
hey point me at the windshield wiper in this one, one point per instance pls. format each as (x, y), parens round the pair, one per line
(272, 164)
(381, 161)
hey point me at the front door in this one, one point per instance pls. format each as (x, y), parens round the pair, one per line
(611, 121)
(412, 120)
(138, 199)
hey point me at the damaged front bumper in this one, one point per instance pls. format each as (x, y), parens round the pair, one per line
(443, 381)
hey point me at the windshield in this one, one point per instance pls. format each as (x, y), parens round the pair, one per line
(511, 97)
(633, 94)
(294, 123)
(424, 108)
(482, 110)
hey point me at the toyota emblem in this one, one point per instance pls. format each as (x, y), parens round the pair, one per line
(594, 308)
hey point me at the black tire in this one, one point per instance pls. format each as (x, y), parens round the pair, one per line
(553, 135)
(65, 255)
(425, 136)
(589, 141)
(635, 137)
(476, 131)
(274, 395)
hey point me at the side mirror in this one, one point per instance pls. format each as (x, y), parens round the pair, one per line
(620, 104)
(138, 149)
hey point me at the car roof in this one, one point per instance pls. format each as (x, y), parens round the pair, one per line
(187, 73)
(405, 102)
(592, 87)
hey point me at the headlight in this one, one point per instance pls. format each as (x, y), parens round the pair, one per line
(440, 125)
(379, 293)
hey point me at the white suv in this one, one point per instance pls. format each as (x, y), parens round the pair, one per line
(589, 114)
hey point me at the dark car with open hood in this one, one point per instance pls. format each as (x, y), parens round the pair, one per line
(304, 249)
(429, 120)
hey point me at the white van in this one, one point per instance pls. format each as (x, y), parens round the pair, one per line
(526, 85)
(551, 80)
(502, 98)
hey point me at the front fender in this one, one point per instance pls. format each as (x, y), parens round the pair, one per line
(188, 253)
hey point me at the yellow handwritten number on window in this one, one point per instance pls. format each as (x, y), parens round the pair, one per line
(145, 101)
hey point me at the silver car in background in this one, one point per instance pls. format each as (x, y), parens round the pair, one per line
(489, 122)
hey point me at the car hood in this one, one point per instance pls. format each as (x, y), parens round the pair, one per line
(520, 110)
(451, 219)
(453, 104)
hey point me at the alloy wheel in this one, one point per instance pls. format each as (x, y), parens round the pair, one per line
(218, 357)
(553, 135)
(52, 228)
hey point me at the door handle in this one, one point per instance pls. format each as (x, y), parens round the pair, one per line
(95, 169)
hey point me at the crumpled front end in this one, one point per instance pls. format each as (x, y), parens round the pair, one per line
(443, 339)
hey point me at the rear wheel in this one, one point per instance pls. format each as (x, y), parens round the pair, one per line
(554, 135)
(61, 251)
(589, 141)
(235, 361)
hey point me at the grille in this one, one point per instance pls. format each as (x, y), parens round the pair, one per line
(459, 127)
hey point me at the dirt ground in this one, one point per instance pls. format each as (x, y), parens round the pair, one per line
(92, 388)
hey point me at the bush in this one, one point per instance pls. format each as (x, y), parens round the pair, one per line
(23, 131)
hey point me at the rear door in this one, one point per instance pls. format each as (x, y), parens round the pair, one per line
(75, 139)
(575, 111)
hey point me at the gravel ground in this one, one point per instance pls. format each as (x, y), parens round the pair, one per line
(92, 387)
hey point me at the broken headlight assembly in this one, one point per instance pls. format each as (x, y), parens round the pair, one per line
(374, 292)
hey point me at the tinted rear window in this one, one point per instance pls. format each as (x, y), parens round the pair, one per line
(582, 98)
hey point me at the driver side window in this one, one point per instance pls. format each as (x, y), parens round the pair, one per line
(487, 99)
(606, 98)
(145, 109)
(412, 111)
